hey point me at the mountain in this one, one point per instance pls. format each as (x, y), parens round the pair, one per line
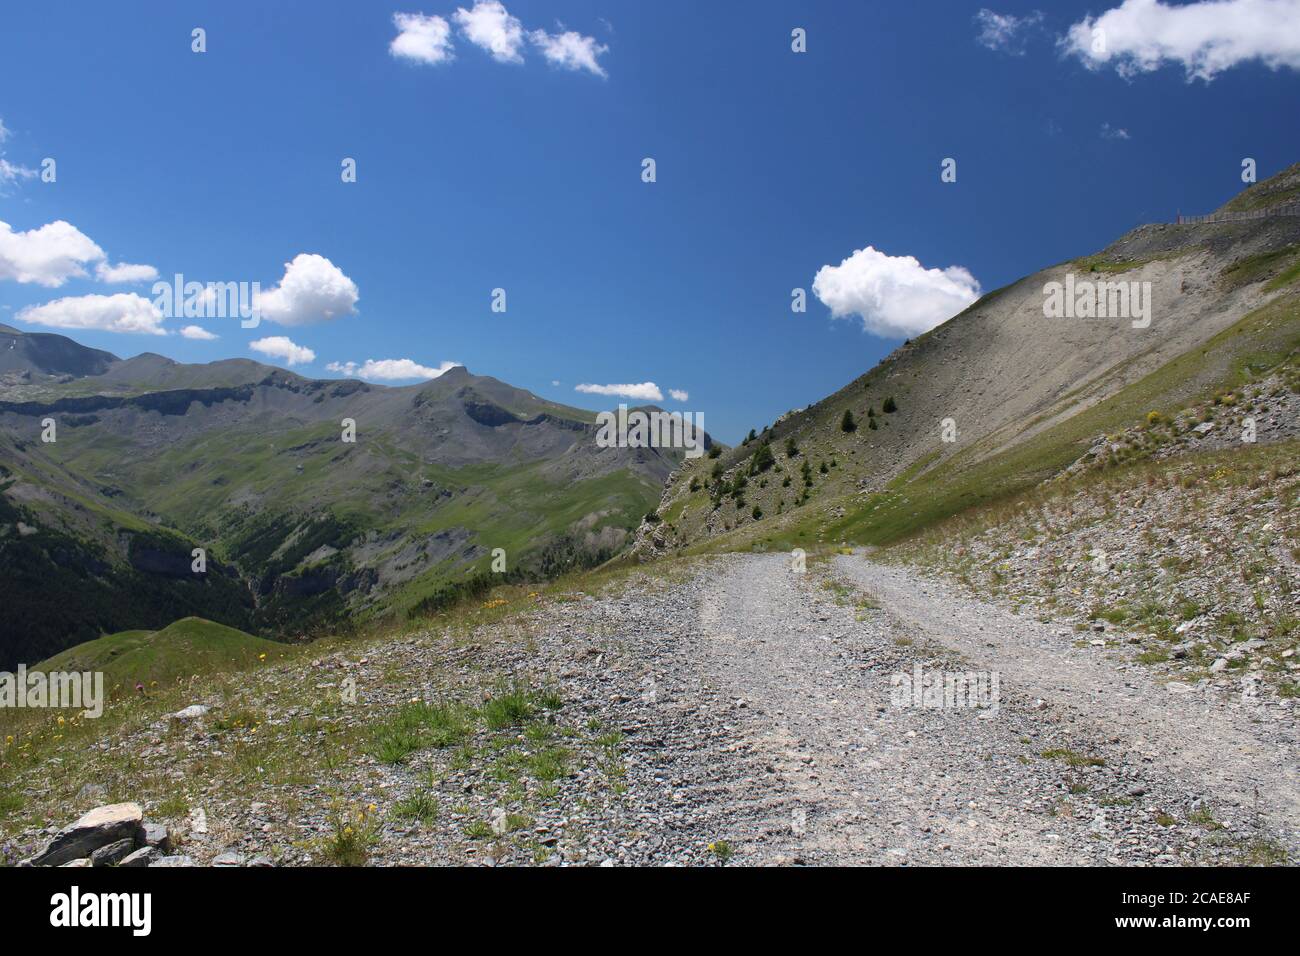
(1023, 395)
(302, 529)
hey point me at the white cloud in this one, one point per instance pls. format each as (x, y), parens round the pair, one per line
(1113, 132)
(389, 370)
(48, 255)
(198, 333)
(895, 296)
(492, 28)
(313, 290)
(1005, 32)
(1205, 38)
(125, 272)
(123, 312)
(646, 391)
(279, 346)
(680, 395)
(570, 51)
(52, 254)
(422, 39)
(11, 172)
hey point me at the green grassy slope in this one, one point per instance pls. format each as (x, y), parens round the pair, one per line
(183, 648)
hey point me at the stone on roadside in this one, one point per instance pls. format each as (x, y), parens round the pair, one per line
(114, 853)
(144, 856)
(158, 836)
(99, 827)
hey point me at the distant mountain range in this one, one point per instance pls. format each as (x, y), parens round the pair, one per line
(301, 529)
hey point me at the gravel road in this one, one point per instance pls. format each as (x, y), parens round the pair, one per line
(735, 709)
(759, 705)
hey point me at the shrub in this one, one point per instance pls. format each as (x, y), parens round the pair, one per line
(847, 424)
(889, 406)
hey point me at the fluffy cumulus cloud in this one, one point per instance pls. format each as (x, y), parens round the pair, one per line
(679, 394)
(313, 290)
(123, 312)
(124, 272)
(52, 254)
(389, 370)
(198, 333)
(490, 26)
(570, 51)
(1204, 38)
(421, 39)
(281, 347)
(49, 255)
(894, 296)
(1006, 32)
(645, 392)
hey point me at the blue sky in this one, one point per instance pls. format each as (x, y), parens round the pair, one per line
(524, 173)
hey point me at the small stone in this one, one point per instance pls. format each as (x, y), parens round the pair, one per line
(113, 853)
(92, 793)
(173, 861)
(192, 712)
(141, 857)
(156, 835)
(229, 858)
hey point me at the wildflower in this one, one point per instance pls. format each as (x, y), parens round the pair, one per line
(262, 656)
(61, 721)
(372, 807)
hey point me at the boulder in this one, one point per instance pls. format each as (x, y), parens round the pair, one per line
(98, 828)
